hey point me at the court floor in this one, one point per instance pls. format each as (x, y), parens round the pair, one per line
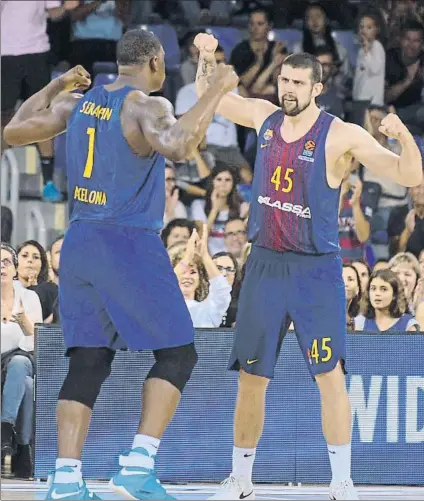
(13, 490)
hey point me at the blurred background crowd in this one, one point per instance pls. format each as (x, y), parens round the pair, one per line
(373, 63)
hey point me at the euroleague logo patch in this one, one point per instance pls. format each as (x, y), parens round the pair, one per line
(308, 151)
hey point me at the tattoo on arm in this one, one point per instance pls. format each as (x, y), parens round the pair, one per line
(206, 69)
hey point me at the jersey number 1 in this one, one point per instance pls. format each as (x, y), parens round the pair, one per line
(88, 170)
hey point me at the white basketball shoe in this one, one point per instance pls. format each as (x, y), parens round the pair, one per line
(235, 488)
(343, 490)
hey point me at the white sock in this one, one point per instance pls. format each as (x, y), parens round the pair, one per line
(243, 462)
(68, 477)
(151, 445)
(340, 461)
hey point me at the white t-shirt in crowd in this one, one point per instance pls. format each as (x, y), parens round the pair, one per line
(368, 83)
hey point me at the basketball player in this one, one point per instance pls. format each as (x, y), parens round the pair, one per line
(294, 271)
(117, 286)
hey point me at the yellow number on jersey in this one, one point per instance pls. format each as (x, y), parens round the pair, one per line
(327, 351)
(314, 351)
(276, 179)
(88, 170)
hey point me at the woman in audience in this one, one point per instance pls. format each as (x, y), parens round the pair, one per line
(178, 230)
(419, 294)
(407, 268)
(364, 273)
(385, 306)
(221, 203)
(353, 293)
(228, 267)
(33, 267)
(20, 311)
(368, 83)
(206, 291)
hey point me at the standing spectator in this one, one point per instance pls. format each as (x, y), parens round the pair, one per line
(33, 268)
(368, 83)
(178, 230)
(206, 292)
(20, 310)
(386, 308)
(407, 268)
(174, 208)
(355, 214)
(97, 26)
(252, 57)
(221, 203)
(48, 291)
(364, 273)
(329, 100)
(228, 267)
(235, 239)
(353, 293)
(412, 237)
(26, 68)
(221, 135)
(405, 76)
(317, 32)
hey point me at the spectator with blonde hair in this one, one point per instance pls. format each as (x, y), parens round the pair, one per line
(385, 306)
(407, 268)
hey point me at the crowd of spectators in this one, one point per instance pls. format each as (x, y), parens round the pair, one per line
(381, 224)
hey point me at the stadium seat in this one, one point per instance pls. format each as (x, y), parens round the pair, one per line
(228, 37)
(104, 67)
(104, 79)
(290, 36)
(168, 38)
(350, 43)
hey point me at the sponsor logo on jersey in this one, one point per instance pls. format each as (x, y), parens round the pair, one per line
(308, 151)
(296, 209)
(268, 134)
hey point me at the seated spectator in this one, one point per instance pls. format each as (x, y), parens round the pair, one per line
(221, 203)
(235, 239)
(412, 238)
(32, 264)
(6, 224)
(48, 291)
(20, 311)
(228, 267)
(174, 208)
(188, 68)
(176, 231)
(380, 264)
(407, 268)
(368, 82)
(405, 77)
(419, 294)
(364, 273)
(96, 28)
(353, 293)
(206, 292)
(317, 32)
(355, 213)
(198, 12)
(385, 306)
(252, 57)
(221, 135)
(329, 99)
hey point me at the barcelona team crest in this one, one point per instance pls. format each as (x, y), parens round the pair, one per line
(268, 134)
(308, 151)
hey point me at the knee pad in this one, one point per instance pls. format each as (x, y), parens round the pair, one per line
(88, 370)
(174, 365)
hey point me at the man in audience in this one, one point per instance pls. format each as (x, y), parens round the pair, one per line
(221, 136)
(328, 100)
(405, 76)
(26, 68)
(412, 237)
(235, 238)
(177, 231)
(174, 208)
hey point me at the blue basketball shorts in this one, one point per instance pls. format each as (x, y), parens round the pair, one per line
(118, 290)
(279, 288)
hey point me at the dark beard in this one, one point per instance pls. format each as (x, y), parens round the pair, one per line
(294, 111)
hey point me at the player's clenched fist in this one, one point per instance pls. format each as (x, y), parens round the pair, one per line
(226, 77)
(206, 43)
(75, 78)
(392, 126)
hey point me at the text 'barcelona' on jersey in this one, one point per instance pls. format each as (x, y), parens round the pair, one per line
(107, 181)
(293, 208)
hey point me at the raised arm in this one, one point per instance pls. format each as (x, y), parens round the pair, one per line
(44, 115)
(405, 169)
(242, 111)
(176, 139)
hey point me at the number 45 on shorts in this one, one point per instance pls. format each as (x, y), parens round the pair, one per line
(320, 351)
